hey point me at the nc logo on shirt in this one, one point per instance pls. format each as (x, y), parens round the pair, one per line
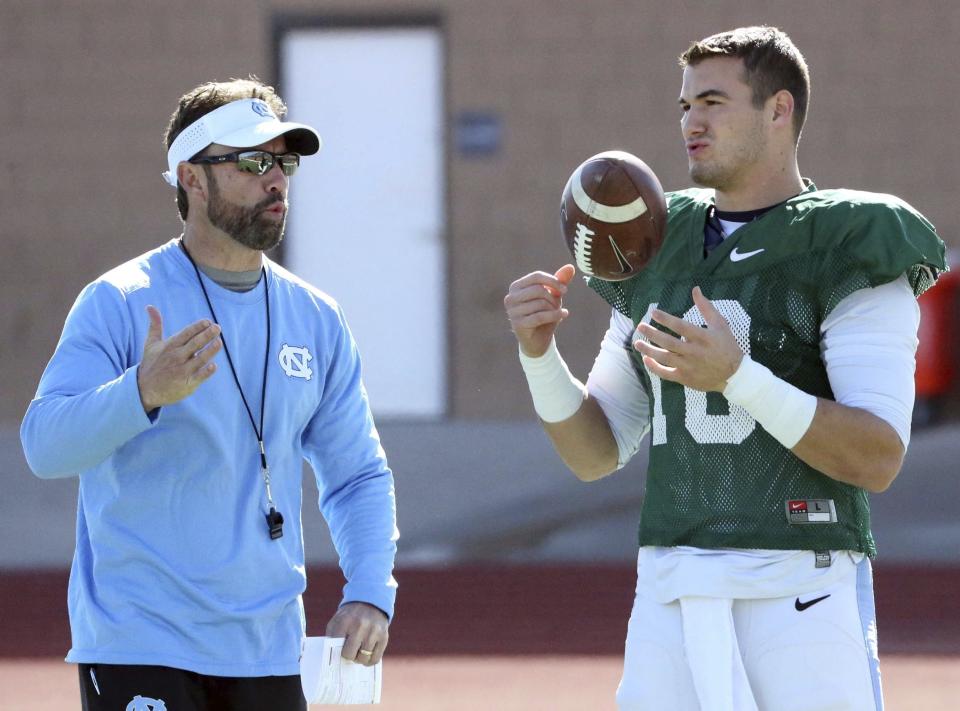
(145, 703)
(294, 360)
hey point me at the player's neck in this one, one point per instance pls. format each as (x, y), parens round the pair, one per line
(214, 248)
(764, 186)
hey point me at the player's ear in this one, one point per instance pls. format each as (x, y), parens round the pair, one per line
(781, 107)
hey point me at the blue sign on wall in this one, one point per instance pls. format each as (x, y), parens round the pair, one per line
(478, 133)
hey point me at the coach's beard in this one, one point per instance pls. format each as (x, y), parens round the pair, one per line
(247, 225)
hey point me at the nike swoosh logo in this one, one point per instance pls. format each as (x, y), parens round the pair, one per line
(801, 606)
(736, 256)
(625, 267)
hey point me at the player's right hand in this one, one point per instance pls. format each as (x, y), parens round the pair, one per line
(173, 368)
(534, 306)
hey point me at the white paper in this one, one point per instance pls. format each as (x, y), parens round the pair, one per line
(328, 678)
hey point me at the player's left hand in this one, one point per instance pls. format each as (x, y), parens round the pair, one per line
(365, 629)
(701, 358)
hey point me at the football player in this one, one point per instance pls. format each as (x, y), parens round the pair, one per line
(768, 349)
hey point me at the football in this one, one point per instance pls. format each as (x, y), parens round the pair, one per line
(613, 215)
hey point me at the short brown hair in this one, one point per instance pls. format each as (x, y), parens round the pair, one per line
(771, 61)
(207, 97)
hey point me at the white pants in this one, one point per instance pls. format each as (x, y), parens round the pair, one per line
(820, 657)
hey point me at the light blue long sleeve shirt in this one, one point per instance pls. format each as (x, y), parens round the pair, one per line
(174, 565)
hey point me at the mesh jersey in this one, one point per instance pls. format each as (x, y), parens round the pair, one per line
(716, 479)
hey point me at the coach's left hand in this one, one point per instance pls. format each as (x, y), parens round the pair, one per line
(702, 358)
(365, 629)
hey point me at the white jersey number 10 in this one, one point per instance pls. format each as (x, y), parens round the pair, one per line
(731, 428)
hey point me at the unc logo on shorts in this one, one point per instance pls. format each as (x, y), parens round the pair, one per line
(294, 360)
(260, 107)
(145, 703)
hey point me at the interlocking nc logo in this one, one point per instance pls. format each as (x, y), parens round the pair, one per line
(145, 703)
(294, 359)
(260, 107)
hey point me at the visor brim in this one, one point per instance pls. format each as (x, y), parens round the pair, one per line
(300, 138)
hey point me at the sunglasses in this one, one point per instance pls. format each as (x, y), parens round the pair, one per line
(256, 162)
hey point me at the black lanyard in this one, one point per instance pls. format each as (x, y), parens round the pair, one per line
(274, 517)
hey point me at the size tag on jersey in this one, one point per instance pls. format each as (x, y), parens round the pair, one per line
(811, 511)
(822, 559)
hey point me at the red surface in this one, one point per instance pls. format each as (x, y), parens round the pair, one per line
(527, 610)
(937, 350)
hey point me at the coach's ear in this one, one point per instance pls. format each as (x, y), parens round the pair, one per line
(193, 181)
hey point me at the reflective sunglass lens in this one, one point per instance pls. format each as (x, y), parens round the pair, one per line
(261, 162)
(289, 163)
(254, 163)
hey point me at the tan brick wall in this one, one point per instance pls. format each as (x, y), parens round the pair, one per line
(89, 86)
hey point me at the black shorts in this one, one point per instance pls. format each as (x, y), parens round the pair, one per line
(129, 687)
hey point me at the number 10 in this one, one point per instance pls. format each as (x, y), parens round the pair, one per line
(731, 428)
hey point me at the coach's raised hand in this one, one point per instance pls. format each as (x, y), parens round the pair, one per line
(173, 368)
(534, 306)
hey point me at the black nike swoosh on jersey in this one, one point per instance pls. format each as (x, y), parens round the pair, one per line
(801, 606)
(625, 267)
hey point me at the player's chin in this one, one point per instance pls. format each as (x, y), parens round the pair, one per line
(706, 175)
(698, 172)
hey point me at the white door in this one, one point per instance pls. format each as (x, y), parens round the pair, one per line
(366, 221)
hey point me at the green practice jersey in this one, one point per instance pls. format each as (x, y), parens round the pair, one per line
(716, 478)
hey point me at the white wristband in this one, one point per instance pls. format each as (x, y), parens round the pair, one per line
(781, 409)
(557, 395)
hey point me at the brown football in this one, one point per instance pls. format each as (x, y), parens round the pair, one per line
(613, 215)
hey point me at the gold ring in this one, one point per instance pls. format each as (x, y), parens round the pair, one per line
(365, 653)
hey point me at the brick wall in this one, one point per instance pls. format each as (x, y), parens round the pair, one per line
(89, 86)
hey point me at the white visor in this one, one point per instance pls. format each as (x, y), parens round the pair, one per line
(239, 124)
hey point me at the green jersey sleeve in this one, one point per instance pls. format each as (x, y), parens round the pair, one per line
(872, 239)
